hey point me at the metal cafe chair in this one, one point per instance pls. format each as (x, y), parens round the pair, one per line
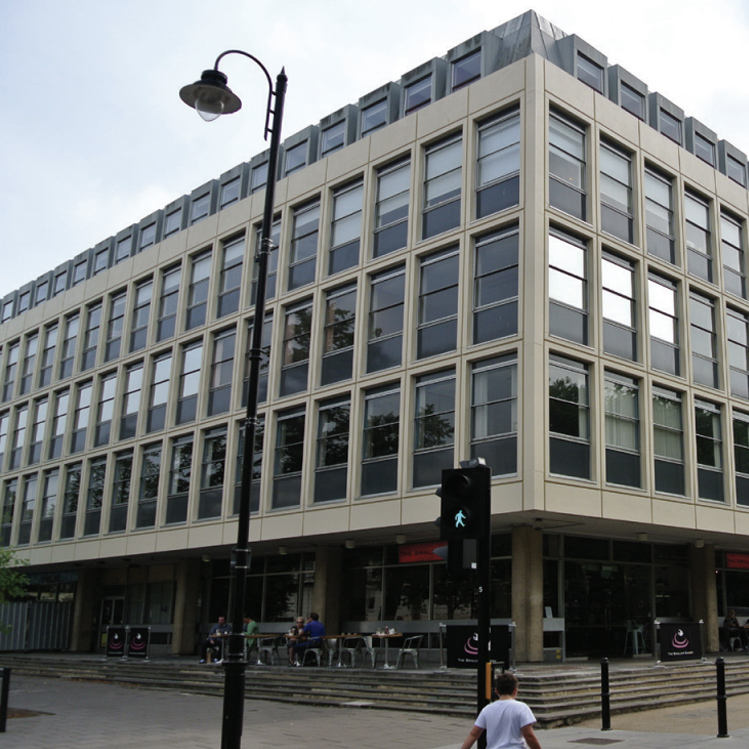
(410, 647)
(320, 652)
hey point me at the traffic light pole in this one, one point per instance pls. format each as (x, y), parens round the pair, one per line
(484, 580)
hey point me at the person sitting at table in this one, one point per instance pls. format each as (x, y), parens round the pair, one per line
(213, 641)
(732, 628)
(310, 637)
(251, 627)
(294, 633)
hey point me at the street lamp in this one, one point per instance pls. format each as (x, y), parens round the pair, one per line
(211, 97)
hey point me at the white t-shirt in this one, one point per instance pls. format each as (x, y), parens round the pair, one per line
(502, 721)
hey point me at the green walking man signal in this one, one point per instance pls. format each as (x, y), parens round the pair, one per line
(466, 500)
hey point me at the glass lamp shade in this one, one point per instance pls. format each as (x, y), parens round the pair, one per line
(210, 96)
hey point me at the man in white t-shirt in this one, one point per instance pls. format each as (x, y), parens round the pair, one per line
(508, 722)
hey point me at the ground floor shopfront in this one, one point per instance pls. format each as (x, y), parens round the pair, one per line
(577, 595)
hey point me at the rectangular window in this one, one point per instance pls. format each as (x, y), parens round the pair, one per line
(296, 347)
(229, 192)
(122, 249)
(374, 117)
(159, 395)
(333, 138)
(466, 70)
(345, 228)
(222, 367)
(189, 382)
(631, 100)
(79, 272)
(303, 250)
(38, 425)
(48, 355)
(230, 277)
(418, 94)
(434, 426)
(131, 401)
(70, 500)
(736, 170)
(617, 208)
(590, 73)
(568, 287)
(569, 418)
(170, 283)
(664, 324)
(275, 239)
(443, 179)
(101, 261)
(18, 441)
(212, 473)
(173, 222)
(618, 306)
(331, 467)
(180, 473)
(197, 293)
(97, 472)
(391, 208)
(11, 369)
(732, 251)
(24, 300)
(296, 158)
(258, 177)
(61, 280)
(385, 323)
(59, 424)
(289, 454)
(669, 126)
(7, 311)
(379, 470)
(200, 207)
(741, 456)
(9, 506)
(494, 413)
(498, 163)
(105, 409)
(699, 246)
(81, 416)
(659, 215)
(50, 486)
(338, 334)
(437, 329)
(91, 336)
(29, 363)
(704, 149)
(709, 446)
(4, 424)
(123, 473)
(704, 340)
(141, 315)
(567, 165)
(265, 342)
(41, 292)
(495, 285)
(147, 237)
(28, 502)
(621, 399)
(148, 491)
(115, 326)
(737, 332)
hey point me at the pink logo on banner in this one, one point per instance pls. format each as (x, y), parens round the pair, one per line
(680, 640)
(472, 645)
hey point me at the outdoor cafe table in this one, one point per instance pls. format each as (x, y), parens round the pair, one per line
(387, 639)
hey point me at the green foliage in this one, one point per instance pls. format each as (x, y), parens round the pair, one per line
(12, 581)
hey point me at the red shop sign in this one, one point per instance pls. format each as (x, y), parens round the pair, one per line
(409, 553)
(736, 561)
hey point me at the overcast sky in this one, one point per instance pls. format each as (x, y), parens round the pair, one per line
(93, 135)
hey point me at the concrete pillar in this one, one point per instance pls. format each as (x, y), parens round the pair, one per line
(326, 592)
(187, 578)
(705, 594)
(528, 594)
(83, 627)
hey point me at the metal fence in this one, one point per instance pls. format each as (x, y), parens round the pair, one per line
(36, 625)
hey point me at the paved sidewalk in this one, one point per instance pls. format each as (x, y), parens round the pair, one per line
(85, 714)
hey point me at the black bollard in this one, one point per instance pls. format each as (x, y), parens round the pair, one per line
(720, 666)
(4, 689)
(605, 696)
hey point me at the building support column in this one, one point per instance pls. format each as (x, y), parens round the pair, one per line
(84, 622)
(705, 594)
(327, 588)
(187, 580)
(528, 594)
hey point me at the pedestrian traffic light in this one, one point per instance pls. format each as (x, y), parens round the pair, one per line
(466, 501)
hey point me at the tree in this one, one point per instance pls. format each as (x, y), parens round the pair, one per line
(12, 581)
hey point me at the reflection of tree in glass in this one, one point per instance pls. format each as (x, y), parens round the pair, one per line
(382, 435)
(564, 413)
(297, 335)
(334, 446)
(433, 430)
(339, 332)
(289, 453)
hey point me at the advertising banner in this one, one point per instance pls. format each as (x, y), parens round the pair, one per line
(680, 642)
(462, 645)
(116, 638)
(137, 644)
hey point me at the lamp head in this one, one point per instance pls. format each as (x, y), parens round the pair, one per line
(210, 96)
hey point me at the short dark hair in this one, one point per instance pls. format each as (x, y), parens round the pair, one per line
(314, 615)
(506, 683)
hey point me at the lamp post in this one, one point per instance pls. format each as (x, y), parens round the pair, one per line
(211, 97)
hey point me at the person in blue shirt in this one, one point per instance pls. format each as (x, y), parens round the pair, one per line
(221, 629)
(310, 637)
